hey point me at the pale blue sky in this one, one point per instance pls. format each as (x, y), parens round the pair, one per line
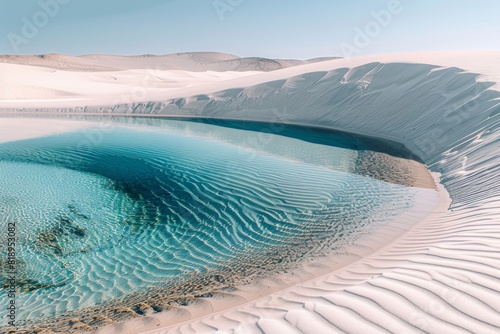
(267, 28)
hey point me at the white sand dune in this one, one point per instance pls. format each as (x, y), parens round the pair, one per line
(189, 61)
(441, 276)
(39, 85)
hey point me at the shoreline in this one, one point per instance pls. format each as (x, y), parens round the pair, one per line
(306, 273)
(162, 323)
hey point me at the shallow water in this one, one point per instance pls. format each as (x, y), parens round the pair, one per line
(129, 206)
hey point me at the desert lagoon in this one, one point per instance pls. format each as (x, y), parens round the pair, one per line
(122, 217)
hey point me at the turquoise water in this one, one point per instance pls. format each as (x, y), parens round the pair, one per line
(103, 213)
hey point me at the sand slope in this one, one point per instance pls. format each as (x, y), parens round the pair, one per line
(442, 276)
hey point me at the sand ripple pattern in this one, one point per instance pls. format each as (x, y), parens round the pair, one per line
(194, 217)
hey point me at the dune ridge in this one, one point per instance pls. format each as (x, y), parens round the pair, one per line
(186, 61)
(443, 275)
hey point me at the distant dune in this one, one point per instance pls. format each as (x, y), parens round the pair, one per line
(189, 61)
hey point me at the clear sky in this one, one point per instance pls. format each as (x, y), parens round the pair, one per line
(267, 28)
